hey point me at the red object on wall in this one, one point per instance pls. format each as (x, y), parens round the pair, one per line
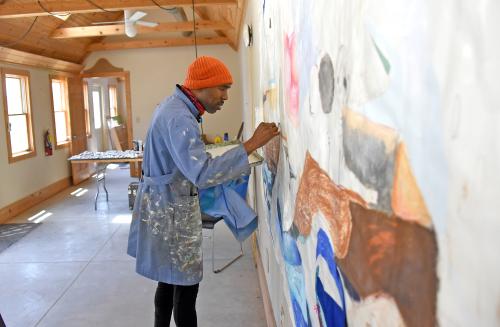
(47, 143)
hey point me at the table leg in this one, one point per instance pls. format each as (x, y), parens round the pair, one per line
(101, 177)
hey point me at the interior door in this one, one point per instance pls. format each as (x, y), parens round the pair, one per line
(80, 172)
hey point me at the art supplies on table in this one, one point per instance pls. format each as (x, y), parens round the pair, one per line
(220, 148)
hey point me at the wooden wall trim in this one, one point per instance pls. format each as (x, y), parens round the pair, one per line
(33, 199)
(24, 58)
(268, 308)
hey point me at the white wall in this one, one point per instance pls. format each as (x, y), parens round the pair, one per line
(19, 179)
(154, 73)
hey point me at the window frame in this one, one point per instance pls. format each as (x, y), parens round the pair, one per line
(26, 80)
(64, 80)
(86, 108)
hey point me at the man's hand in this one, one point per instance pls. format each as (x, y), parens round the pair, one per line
(263, 134)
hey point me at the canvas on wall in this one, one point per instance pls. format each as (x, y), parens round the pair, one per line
(354, 192)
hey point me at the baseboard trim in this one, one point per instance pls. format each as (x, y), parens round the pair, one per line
(33, 199)
(268, 308)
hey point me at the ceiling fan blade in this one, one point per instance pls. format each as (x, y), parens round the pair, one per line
(130, 30)
(145, 23)
(136, 16)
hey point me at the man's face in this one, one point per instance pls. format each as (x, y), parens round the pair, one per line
(213, 98)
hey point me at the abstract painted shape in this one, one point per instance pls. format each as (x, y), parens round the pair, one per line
(299, 317)
(342, 77)
(288, 185)
(369, 151)
(272, 154)
(324, 250)
(268, 179)
(389, 255)
(375, 308)
(326, 83)
(407, 200)
(385, 62)
(290, 250)
(297, 288)
(270, 98)
(317, 192)
(294, 270)
(288, 246)
(332, 313)
(307, 51)
(291, 79)
(353, 294)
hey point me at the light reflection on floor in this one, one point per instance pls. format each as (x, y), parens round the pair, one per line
(40, 216)
(122, 219)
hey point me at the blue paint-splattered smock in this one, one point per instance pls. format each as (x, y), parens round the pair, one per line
(165, 233)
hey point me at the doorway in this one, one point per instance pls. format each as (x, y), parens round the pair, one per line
(96, 116)
(108, 118)
(109, 88)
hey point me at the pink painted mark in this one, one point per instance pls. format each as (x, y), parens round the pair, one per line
(291, 79)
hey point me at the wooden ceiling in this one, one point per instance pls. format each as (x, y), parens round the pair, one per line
(30, 30)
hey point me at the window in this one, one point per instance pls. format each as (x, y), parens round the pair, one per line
(60, 109)
(96, 103)
(17, 111)
(113, 103)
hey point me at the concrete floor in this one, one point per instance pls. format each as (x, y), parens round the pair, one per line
(73, 270)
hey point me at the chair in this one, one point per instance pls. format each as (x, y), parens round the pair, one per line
(209, 222)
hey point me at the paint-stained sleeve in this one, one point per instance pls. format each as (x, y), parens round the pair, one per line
(188, 152)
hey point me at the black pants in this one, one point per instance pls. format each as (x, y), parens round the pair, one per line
(182, 299)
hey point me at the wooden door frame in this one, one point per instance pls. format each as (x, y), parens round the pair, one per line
(103, 69)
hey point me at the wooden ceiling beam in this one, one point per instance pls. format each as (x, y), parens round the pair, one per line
(24, 58)
(13, 9)
(106, 30)
(157, 43)
(201, 12)
(233, 15)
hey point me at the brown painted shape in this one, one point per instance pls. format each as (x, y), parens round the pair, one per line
(396, 257)
(317, 192)
(407, 200)
(272, 154)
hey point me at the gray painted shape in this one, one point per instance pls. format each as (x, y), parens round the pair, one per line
(367, 158)
(326, 83)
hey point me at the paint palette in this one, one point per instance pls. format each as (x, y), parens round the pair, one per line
(218, 149)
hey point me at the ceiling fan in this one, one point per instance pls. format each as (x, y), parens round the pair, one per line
(130, 20)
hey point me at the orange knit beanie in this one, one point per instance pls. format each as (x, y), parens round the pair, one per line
(207, 72)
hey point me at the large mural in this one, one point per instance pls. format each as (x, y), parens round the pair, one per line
(353, 194)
